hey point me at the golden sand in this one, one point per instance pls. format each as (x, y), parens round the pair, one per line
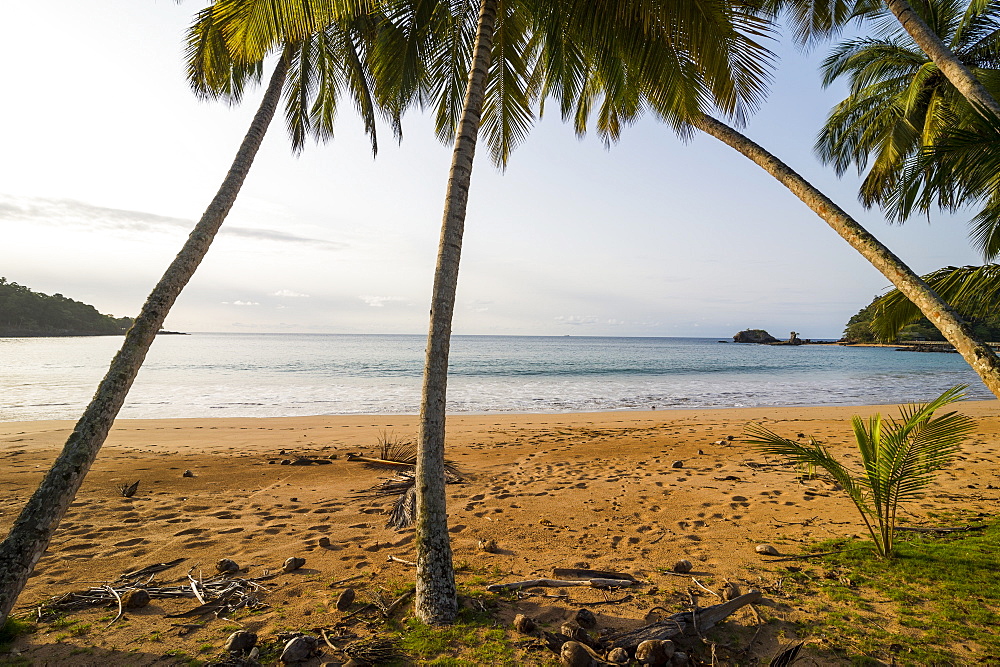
(623, 491)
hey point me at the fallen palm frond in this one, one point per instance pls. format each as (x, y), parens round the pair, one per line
(396, 454)
(401, 457)
(404, 508)
(128, 490)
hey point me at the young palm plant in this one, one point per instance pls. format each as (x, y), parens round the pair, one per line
(899, 459)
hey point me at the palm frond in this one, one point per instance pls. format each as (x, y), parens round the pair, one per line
(974, 291)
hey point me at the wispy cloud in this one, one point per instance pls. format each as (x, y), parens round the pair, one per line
(587, 320)
(290, 294)
(69, 212)
(379, 301)
(240, 303)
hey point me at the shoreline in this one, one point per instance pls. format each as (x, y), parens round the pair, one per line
(640, 415)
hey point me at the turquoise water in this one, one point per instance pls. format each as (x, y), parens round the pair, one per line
(260, 375)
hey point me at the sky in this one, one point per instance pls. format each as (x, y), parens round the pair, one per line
(107, 160)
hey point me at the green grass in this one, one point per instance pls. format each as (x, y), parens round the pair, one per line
(940, 598)
(12, 629)
(474, 639)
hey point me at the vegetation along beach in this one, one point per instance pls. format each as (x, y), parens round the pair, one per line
(598, 453)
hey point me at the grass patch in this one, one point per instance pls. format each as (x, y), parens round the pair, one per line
(12, 629)
(940, 599)
(474, 639)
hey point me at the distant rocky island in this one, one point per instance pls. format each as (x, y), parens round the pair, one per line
(761, 337)
(24, 313)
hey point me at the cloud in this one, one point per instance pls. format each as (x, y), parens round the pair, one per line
(290, 294)
(587, 320)
(378, 301)
(578, 320)
(240, 303)
(71, 213)
(479, 305)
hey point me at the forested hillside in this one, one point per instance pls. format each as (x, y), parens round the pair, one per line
(24, 312)
(859, 331)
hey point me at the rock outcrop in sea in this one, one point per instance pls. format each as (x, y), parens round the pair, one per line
(754, 336)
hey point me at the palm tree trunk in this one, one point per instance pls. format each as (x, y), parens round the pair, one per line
(30, 535)
(981, 357)
(953, 68)
(436, 601)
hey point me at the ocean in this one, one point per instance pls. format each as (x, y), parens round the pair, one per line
(265, 375)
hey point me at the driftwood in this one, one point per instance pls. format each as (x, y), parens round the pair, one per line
(679, 624)
(394, 559)
(573, 573)
(150, 569)
(120, 608)
(559, 583)
(403, 465)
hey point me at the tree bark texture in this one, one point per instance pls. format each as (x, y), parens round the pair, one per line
(436, 600)
(930, 43)
(981, 357)
(30, 535)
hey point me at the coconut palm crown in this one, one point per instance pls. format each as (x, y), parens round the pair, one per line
(899, 100)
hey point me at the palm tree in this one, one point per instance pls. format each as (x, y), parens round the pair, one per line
(652, 89)
(700, 65)
(212, 71)
(900, 107)
(956, 331)
(900, 459)
(899, 100)
(815, 19)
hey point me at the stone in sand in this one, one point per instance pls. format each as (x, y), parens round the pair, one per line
(187, 473)
(135, 599)
(677, 464)
(227, 566)
(618, 656)
(679, 659)
(575, 654)
(730, 590)
(346, 599)
(293, 563)
(241, 641)
(298, 649)
(324, 542)
(585, 619)
(766, 549)
(488, 546)
(524, 624)
(655, 652)
(683, 566)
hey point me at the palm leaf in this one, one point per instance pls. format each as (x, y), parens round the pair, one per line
(974, 291)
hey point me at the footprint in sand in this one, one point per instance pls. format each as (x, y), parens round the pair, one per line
(130, 543)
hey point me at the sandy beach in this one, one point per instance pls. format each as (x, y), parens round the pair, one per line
(627, 491)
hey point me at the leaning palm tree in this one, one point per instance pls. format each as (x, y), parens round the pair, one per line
(303, 65)
(624, 92)
(899, 101)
